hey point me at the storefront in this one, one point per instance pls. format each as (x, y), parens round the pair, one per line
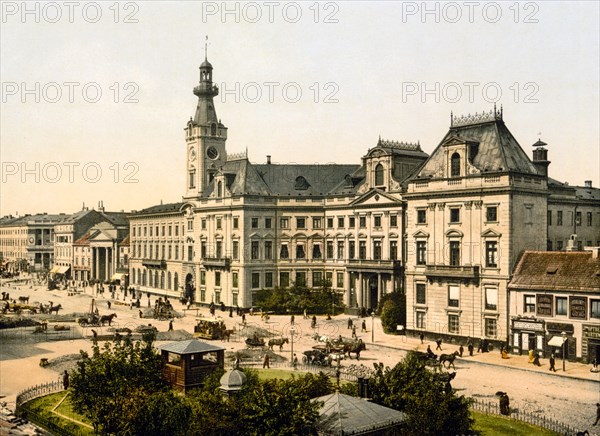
(527, 333)
(590, 343)
(557, 332)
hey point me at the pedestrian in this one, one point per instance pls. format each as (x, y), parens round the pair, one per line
(305, 314)
(313, 323)
(536, 360)
(171, 325)
(349, 323)
(461, 350)
(295, 361)
(363, 327)
(266, 361)
(597, 413)
(243, 318)
(421, 337)
(531, 356)
(108, 303)
(354, 332)
(470, 348)
(231, 312)
(504, 404)
(66, 380)
(292, 318)
(141, 314)
(430, 354)
(438, 344)
(552, 363)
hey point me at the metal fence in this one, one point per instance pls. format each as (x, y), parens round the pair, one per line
(492, 408)
(38, 391)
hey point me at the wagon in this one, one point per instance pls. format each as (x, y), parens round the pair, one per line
(316, 357)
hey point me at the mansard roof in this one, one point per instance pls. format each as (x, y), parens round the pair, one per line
(498, 149)
(160, 208)
(557, 271)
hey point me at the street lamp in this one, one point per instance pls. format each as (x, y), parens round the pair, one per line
(373, 327)
(292, 332)
(564, 338)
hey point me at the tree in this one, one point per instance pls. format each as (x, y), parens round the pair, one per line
(163, 413)
(431, 408)
(393, 311)
(110, 386)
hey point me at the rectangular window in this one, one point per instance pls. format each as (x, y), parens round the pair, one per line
(453, 296)
(421, 293)
(217, 278)
(255, 280)
(491, 327)
(595, 309)
(300, 253)
(202, 277)
(420, 320)
(340, 250)
(203, 295)
(203, 224)
(177, 230)
(351, 249)
(268, 250)
(393, 220)
(491, 254)
(236, 250)
(329, 249)
(162, 231)
(377, 221)
(549, 218)
(284, 279)
(219, 253)
(176, 252)
(589, 218)
(234, 299)
(559, 245)
(421, 216)
(561, 306)
(377, 250)
(362, 222)
(340, 280)
(301, 223)
(162, 251)
(351, 222)
(341, 222)
(219, 223)
(491, 214)
(454, 215)
(454, 253)
(300, 278)
(330, 223)
(284, 253)
(393, 250)
(578, 218)
(192, 178)
(453, 324)
(190, 253)
(203, 249)
(190, 225)
(559, 218)
(491, 299)
(362, 249)
(236, 222)
(268, 280)
(254, 250)
(316, 251)
(284, 223)
(234, 279)
(268, 223)
(421, 252)
(254, 223)
(317, 278)
(316, 223)
(529, 303)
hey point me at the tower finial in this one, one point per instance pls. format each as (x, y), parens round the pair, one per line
(206, 48)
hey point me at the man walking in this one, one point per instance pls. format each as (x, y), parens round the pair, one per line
(266, 361)
(552, 363)
(438, 344)
(363, 327)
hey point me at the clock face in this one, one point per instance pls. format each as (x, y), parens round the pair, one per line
(212, 153)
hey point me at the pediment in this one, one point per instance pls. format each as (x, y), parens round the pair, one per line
(376, 152)
(490, 233)
(454, 233)
(420, 234)
(375, 197)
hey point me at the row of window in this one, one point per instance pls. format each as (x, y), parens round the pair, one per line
(155, 279)
(490, 296)
(491, 215)
(150, 230)
(548, 305)
(490, 324)
(491, 253)
(560, 245)
(589, 218)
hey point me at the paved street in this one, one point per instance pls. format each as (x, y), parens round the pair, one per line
(569, 397)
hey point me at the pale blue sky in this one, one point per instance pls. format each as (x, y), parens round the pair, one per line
(377, 60)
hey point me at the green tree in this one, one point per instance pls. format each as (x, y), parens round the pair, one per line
(431, 408)
(393, 311)
(110, 385)
(162, 413)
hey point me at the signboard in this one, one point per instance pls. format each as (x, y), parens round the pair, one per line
(543, 305)
(528, 325)
(559, 327)
(591, 331)
(578, 307)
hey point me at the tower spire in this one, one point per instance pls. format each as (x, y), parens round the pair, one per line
(206, 48)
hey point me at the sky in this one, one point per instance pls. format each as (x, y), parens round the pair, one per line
(95, 95)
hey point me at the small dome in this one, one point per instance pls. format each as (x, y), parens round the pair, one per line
(233, 380)
(206, 64)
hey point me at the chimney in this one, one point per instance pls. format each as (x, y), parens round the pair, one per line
(540, 158)
(269, 160)
(571, 246)
(588, 183)
(595, 251)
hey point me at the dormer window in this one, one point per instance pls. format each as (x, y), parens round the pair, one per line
(219, 189)
(379, 175)
(455, 165)
(301, 184)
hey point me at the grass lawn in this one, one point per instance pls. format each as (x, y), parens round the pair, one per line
(498, 425)
(43, 407)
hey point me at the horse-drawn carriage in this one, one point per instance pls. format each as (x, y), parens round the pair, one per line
(255, 341)
(163, 310)
(210, 328)
(317, 358)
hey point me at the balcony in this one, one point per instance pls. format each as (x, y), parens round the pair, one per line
(216, 262)
(374, 264)
(467, 273)
(158, 264)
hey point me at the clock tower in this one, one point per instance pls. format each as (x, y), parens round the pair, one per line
(205, 137)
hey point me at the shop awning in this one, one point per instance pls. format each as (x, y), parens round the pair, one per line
(556, 341)
(118, 276)
(54, 270)
(62, 269)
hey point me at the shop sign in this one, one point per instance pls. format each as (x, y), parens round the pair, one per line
(544, 304)
(578, 307)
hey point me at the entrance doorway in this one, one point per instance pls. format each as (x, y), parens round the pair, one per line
(373, 292)
(593, 350)
(190, 289)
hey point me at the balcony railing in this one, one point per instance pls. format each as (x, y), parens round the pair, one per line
(374, 263)
(161, 264)
(216, 262)
(468, 272)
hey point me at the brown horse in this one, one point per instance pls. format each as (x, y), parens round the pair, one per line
(278, 342)
(448, 358)
(54, 309)
(354, 347)
(107, 318)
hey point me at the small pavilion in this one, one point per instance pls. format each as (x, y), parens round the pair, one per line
(186, 364)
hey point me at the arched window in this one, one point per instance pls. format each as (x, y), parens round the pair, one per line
(219, 189)
(162, 280)
(144, 278)
(455, 165)
(169, 280)
(176, 282)
(156, 279)
(379, 175)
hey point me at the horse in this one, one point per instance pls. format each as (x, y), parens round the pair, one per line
(354, 347)
(107, 318)
(278, 342)
(24, 300)
(226, 334)
(448, 358)
(54, 309)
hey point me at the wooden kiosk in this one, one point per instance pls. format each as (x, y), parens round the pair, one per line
(185, 364)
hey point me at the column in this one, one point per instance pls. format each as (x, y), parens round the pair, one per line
(106, 260)
(379, 288)
(96, 254)
(347, 290)
(359, 291)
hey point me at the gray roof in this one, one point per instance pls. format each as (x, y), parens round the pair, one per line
(346, 415)
(189, 347)
(158, 209)
(498, 149)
